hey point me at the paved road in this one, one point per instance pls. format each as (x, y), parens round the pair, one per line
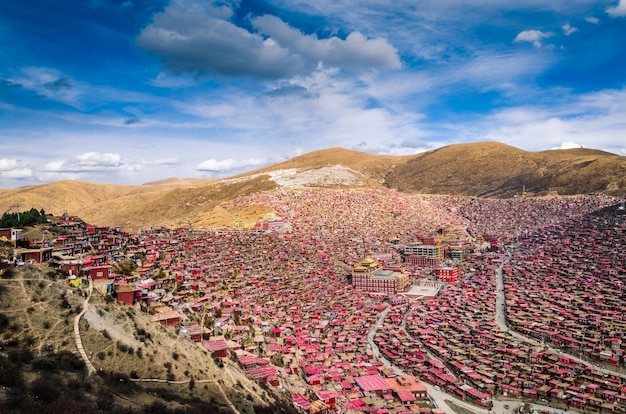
(438, 396)
(500, 319)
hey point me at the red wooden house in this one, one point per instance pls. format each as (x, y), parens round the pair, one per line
(126, 294)
(99, 272)
(217, 346)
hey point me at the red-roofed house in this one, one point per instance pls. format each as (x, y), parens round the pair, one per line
(328, 396)
(99, 272)
(217, 346)
(374, 384)
(408, 383)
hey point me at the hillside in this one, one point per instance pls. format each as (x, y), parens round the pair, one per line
(43, 372)
(486, 169)
(490, 169)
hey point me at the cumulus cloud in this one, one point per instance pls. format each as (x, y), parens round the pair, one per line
(532, 36)
(12, 168)
(87, 162)
(7, 164)
(594, 120)
(619, 10)
(592, 20)
(356, 51)
(568, 29)
(200, 39)
(569, 145)
(229, 165)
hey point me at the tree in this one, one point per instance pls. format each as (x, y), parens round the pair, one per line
(6, 250)
(24, 218)
(125, 268)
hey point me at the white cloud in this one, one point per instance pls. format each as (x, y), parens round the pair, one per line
(532, 36)
(356, 51)
(569, 145)
(7, 164)
(592, 20)
(568, 29)
(48, 83)
(594, 120)
(19, 173)
(12, 168)
(199, 39)
(162, 161)
(86, 162)
(618, 10)
(230, 165)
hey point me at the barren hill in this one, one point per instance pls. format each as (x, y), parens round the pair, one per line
(491, 169)
(371, 168)
(485, 169)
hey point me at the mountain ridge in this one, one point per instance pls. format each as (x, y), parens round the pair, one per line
(484, 169)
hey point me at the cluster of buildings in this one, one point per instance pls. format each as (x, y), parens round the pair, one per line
(312, 302)
(565, 285)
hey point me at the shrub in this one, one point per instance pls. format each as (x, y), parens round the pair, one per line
(30, 340)
(101, 355)
(22, 355)
(44, 363)
(44, 389)
(10, 373)
(69, 361)
(4, 321)
(104, 401)
(8, 273)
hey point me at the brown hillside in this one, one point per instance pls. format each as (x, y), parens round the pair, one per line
(490, 169)
(37, 314)
(486, 169)
(374, 167)
(170, 204)
(171, 208)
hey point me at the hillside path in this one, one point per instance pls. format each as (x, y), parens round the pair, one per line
(79, 343)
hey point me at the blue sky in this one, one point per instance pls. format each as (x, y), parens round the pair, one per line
(134, 91)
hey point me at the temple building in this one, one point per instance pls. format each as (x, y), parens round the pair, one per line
(371, 276)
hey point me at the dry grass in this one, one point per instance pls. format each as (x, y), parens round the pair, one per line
(491, 169)
(486, 169)
(40, 308)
